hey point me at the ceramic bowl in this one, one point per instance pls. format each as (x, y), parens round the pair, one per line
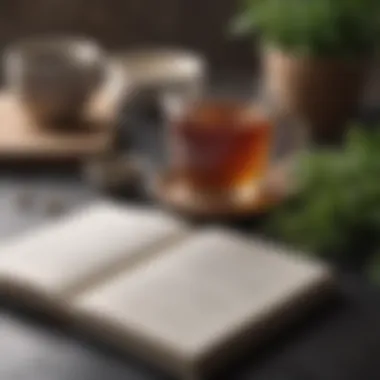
(54, 78)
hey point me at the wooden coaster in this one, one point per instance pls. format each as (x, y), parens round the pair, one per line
(22, 140)
(171, 191)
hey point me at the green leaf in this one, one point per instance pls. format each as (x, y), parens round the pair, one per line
(373, 269)
(242, 25)
(338, 203)
(315, 27)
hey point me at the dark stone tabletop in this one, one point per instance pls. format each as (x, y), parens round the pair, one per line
(339, 341)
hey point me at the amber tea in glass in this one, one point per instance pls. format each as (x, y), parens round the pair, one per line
(220, 145)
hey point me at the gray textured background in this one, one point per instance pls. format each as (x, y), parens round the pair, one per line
(201, 25)
(118, 24)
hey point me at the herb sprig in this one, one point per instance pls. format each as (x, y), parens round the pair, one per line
(336, 213)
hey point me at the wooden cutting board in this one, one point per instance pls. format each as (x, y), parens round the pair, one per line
(21, 140)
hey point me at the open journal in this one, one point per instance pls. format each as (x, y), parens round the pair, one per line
(186, 300)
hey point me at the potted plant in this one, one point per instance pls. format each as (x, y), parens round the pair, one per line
(316, 55)
(335, 212)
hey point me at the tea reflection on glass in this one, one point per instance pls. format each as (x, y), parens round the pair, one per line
(219, 145)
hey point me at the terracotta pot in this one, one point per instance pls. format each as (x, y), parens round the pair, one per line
(54, 77)
(323, 94)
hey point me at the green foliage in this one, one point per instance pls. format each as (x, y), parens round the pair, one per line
(373, 268)
(314, 27)
(336, 212)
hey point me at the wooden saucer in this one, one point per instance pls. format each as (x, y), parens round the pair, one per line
(171, 191)
(21, 140)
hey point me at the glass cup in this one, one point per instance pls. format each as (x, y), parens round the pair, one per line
(218, 145)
